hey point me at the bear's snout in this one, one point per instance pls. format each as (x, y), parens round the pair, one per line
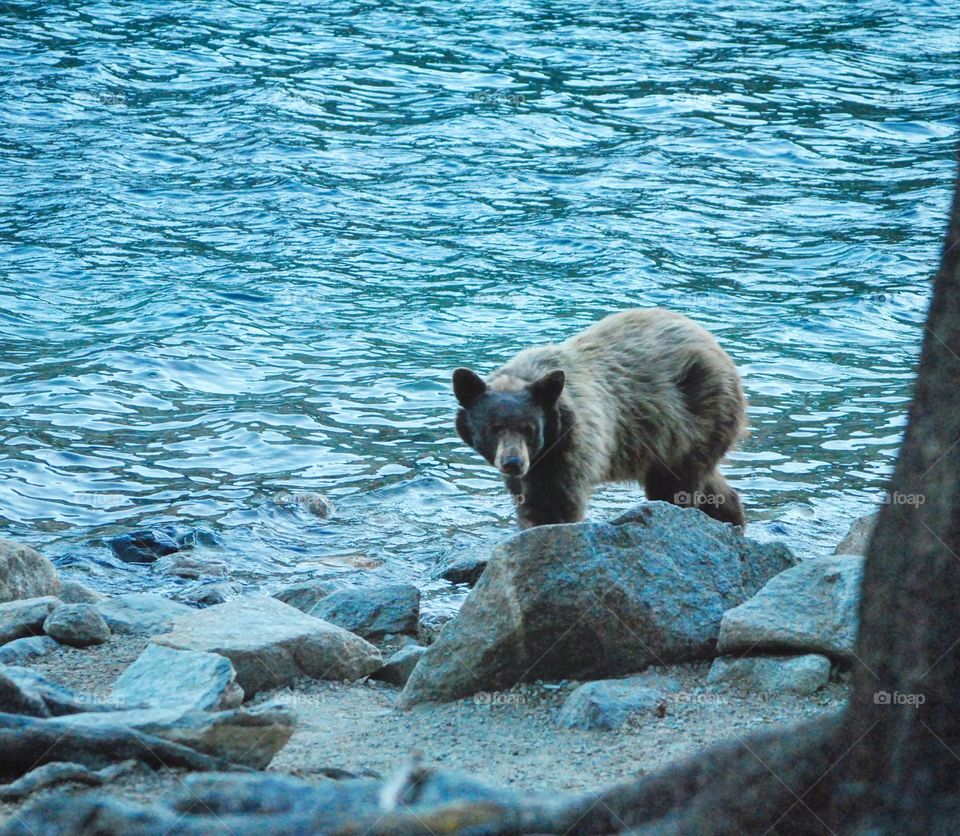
(512, 458)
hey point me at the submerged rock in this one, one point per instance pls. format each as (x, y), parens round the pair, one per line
(596, 599)
(25, 573)
(77, 625)
(148, 544)
(162, 677)
(372, 612)
(608, 703)
(141, 613)
(25, 617)
(811, 608)
(857, 538)
(270, 643)
(772, 674)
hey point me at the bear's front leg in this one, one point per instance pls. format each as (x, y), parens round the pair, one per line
(543, 502)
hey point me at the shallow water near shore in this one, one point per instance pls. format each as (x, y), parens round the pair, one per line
(242, 246)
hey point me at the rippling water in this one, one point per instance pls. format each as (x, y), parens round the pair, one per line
(243, 244)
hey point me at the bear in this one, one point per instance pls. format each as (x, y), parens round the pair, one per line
(643, 394)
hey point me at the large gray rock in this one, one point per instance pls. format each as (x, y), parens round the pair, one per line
(397, 669)
(596, 599)
(607, 704)
(25, 573)
(141, 613)
(811, 608)
(372, 612)
(772, 674)
(857, 538)
(162, 677)
(77, 625)
(249, 738)
(22, 650)
(271, 643)
(25, 617)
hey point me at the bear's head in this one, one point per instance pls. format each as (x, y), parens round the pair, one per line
(509, 428)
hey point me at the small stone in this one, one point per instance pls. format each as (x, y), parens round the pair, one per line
(141, 613)
(149, 544)
(190, 565)
(162, 677)
(400, 665)
(211, 594)
(22, 650)
(77, 625)
(306, 594)
(608, 703)
(466, 571)
(372, 612)
(772, 674)
(25, 573)
(313, 503)
(25, 617)
(72, 592)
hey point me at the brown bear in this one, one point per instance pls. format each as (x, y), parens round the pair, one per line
(642, 394)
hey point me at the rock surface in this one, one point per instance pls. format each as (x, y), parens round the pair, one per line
(271, 643)
(25, 617)
(148, 544)
(248, 738)
(42, 696)
(372, 612)
(467, 571)
(77, 625)
(811, 608)
(162, 677)
(22, 650)
(607, 704)
(772, 674)
(25, 573)
(397, 669)
(141, 613)
(596, 599)
(72, 592)
(857, 538)
(211, 594)
(306, 594)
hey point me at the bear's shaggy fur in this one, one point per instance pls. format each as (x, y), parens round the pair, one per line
(642, 394)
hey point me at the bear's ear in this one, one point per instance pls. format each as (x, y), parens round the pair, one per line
(467, 386)
(546, 391)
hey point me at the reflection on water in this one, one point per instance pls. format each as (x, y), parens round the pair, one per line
(243, 245)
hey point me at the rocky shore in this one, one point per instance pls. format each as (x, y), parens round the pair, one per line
(584, 656)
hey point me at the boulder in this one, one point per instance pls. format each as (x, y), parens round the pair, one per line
(271, 643)
(22, 650)
(162, 677)
(589, 600)
(372, 612)
(857, 537)
(607, 704)
(25, 573)
(148, 544)
(397, 669)
(307, 594)
(141, 613)
(77, 625)
(801, 675)
(810, 608)
(467, 571)
(25, 617)
(248, 738)
(72, 592)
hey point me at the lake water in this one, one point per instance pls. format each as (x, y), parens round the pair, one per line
(243, 244)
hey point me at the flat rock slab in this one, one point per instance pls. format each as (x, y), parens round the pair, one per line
(77, 625)
(25, 617)
(271, 643)
(21, 650)
(811, 608)
(247, 738)
(607, 704)
(162, 677)
(801, 675)
(592, 600)
(25, 573)
(141, 613)
(372, 612)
